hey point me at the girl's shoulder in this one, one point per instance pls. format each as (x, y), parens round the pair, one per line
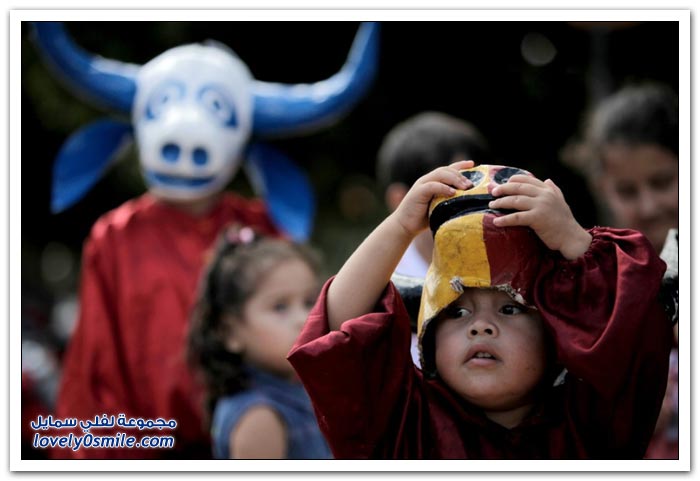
(235, 405)
(227, 414)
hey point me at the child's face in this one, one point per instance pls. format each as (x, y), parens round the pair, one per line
(274, 315)
(640, 185)
(491, 350)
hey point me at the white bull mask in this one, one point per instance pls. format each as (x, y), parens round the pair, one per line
(194, 109)
(192, 117)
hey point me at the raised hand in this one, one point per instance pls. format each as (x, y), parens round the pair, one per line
(360, 282)
(541, 206)
(412, 213)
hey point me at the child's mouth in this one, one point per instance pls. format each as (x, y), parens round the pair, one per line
(480, 357)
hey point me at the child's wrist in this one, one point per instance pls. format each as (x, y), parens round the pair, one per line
(398, 229)
(577, 245)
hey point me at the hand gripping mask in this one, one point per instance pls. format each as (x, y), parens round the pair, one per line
(469, 251)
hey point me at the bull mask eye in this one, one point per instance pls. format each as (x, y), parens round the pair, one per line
(506, 173)
(474, 176)
(162, 97)
(214, 99)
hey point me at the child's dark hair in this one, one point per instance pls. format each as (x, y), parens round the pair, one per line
(241, 258)
(639, 114)
(424, 142)
(646, 113)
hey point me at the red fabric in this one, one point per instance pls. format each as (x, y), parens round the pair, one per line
(141, 266)
(610, 333)
(513, 255)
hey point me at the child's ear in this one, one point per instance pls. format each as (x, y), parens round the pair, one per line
(234, 345)
(394, 194)
(231, 335)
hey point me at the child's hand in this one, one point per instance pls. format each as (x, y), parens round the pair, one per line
(541, 207)
(412, 212)
(360, 282)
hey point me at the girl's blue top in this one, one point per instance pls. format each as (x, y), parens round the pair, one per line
(288, 399)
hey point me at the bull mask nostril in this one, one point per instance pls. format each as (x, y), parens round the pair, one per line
(170, 152)
(200, 156)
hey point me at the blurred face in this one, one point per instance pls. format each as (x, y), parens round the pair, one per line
(273, 317)
(640, 185)
(491, 350)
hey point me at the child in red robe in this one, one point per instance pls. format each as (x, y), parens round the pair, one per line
(539, 339)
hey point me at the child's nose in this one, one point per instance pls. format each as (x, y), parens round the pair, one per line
(482, 327)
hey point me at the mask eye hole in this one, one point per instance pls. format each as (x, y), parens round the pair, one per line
(162, 97)
(506, 173)
(474, 176)
(217, 103)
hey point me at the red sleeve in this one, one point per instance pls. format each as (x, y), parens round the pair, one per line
(357, 377)
(611, 334)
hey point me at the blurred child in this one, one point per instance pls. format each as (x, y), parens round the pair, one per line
(253, 301)
(517, 289)
(631, 159)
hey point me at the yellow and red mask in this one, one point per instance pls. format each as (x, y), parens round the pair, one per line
(470, 251)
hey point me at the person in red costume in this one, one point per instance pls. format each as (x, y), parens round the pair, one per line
(140, 269)
(193, 111)
(539, 339)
